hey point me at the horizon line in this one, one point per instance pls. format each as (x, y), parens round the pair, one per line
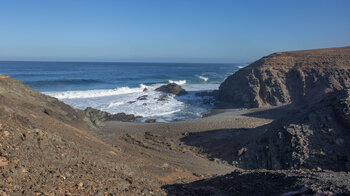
(96, 61)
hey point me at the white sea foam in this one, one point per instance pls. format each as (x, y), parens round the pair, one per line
(94, 93)
(113, 104)
(179, 82)
(243, 65)
(201, 87)
(203, 78)
(124, 99)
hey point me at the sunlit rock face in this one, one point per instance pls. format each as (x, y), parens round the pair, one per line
(298, 77)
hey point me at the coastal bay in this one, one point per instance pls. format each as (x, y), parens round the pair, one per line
(275, 148)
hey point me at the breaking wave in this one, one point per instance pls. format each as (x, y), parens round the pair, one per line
(179, 82)
(95, 93)
(203, 78)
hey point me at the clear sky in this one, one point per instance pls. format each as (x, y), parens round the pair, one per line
(168, 30)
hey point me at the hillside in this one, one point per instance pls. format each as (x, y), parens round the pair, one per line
(46, 148)
(298, 77)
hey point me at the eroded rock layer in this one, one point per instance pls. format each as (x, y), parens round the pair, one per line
(297, 77)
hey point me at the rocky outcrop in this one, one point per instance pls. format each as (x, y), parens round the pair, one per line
(316, 136)
(97, 117)
(342, 108)
(172, 88)
(298, 77)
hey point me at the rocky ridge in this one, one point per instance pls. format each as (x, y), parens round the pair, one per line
(315, 134)
(298, 77)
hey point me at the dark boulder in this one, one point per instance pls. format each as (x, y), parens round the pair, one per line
(151, 121)
(97, 117)
(172, 88)
(124, 117)
(143, 97)
(204, 94)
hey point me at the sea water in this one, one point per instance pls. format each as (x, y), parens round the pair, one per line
(117, 87)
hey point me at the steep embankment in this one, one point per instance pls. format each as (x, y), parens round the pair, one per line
(316, 134)
(46, 148)
(297, 77)
(311, 145)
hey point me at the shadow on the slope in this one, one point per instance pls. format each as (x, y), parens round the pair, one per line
(223, 143)
(275, 112)
(239, 183)
(200, 98)
(208, 102)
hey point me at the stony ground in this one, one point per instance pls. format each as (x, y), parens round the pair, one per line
(47, 148)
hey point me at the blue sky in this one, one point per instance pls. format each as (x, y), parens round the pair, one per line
(168, 30)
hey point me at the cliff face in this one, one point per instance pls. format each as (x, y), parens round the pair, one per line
(317, 136)
(297, 77)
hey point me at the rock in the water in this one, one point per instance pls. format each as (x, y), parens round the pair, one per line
(204, 94)
(208, 101)
(151, 121)
(123, 117)
(162, 98)
(98, 116)
(143, 97)
(299, 77)
(172, 88)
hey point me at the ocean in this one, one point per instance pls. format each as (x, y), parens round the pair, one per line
(117, 87)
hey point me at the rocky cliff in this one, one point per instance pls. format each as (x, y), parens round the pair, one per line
(317, 136)
(297, 77)
(314, 135)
